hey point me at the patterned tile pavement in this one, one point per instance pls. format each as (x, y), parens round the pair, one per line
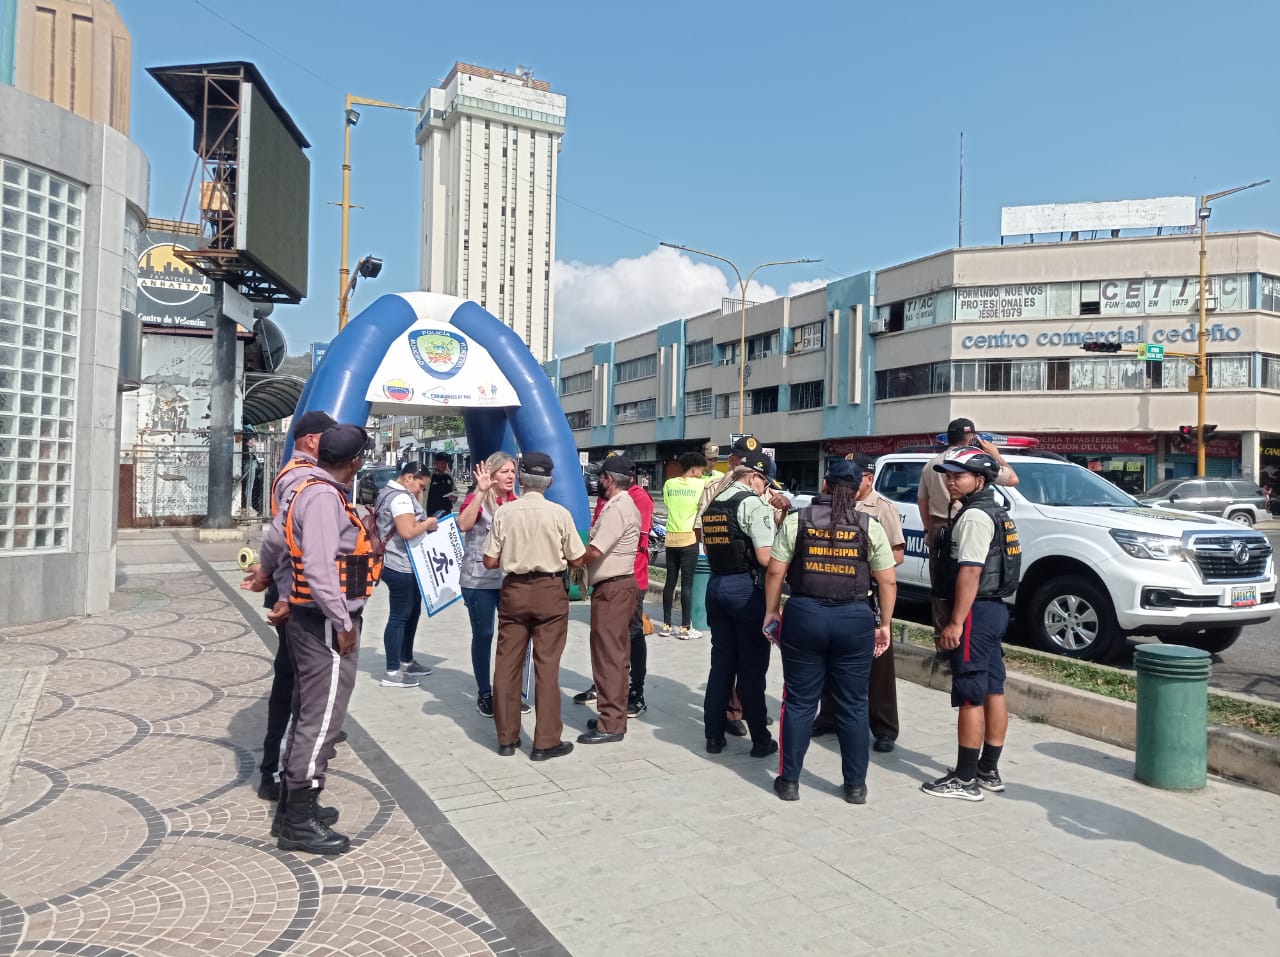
(131, 826)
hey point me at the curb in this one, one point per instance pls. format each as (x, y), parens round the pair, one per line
(1250, 758)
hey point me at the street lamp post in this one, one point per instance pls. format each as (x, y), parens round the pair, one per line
(351, 118)
(742, 293)
(1202, 357)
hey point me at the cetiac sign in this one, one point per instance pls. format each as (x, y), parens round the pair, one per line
(171, 292)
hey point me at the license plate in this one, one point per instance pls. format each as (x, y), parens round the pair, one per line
(1243, 596)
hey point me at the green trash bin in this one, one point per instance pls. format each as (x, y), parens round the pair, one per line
(1173, 716)
(701, 575)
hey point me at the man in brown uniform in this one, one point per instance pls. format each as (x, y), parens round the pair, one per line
(934, 502)
(533, 541)
(611, 558)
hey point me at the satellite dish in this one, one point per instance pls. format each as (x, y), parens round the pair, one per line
(267, 350)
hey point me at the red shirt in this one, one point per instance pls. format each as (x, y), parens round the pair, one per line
(645, 504)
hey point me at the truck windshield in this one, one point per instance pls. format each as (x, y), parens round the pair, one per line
(1052, 483)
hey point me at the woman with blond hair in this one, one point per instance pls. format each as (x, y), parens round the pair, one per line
(495, 486)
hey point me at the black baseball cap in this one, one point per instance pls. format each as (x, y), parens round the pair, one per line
(536, 463)
(757, 461)
(844, 471)
(342, 443)
(619, 464)
(312, 423)
(958, 430)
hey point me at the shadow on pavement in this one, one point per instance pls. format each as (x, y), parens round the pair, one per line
(1094, 820)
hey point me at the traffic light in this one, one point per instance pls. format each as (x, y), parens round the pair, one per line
(1187, 431)
(1208, 431)
(1101, 347)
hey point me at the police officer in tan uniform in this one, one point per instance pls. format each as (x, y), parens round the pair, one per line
(533, 541)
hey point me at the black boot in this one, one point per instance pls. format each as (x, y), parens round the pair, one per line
(269, 788)
(328, 815)
(302, 829)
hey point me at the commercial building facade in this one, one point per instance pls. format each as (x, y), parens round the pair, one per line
(873, 363)
(490, 145)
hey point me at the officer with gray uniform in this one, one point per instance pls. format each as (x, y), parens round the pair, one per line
(321, 536)
(533, 541)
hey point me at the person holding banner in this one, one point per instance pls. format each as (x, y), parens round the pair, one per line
(495, 487)
(401, 517)
(532, 541)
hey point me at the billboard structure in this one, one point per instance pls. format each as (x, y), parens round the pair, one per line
(1159, 213)
(256, 186)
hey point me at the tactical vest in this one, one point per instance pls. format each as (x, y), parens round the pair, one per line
(730, 550)
(830, 561)
(358, 570)
(1003, 566)
(275, 483)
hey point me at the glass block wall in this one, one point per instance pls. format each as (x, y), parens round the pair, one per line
(41, 250)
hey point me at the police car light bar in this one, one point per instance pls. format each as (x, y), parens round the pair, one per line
(997, 438)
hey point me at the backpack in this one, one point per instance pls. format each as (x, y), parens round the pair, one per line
(370, 522)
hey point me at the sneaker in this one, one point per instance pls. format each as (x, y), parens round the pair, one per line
(989, 780)
(636, 706)
(582, 697)
(398, 679)
(524, 706)
(484, 704)
(414, 669)
(952, 787)
(687, 634)
(666, 630)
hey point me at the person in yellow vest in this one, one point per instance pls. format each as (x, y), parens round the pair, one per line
(307, 429)
(320, 535)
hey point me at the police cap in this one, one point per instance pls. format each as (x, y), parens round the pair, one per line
(342, 443)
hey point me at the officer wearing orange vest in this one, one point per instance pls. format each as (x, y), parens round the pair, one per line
(318, 533)
(307, 429)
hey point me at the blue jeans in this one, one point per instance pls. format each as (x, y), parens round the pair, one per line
(402, 618)
(832, 643)
(482, 609)
(735, 614)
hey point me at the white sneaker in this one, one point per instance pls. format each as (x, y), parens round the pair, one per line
(687, 634)
(666, 631)
(398, 679)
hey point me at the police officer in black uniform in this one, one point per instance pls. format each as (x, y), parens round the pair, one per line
(828, 554)
(978, 559)
(737, 533)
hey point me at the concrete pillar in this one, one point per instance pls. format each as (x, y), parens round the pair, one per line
(1251, 455)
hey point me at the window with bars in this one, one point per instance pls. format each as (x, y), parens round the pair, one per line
(41, 246)
(764, 401)
(806, 395)
(639, 368)
(579, 420)
(698, 402)
(697, 353)
(578, 382)
(641, 411)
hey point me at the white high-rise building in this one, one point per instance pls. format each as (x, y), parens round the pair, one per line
(489, 143)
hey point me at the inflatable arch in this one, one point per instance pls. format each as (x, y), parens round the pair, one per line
(420, 352)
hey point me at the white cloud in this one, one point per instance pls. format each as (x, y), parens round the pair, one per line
(616, 300)
(805, 285)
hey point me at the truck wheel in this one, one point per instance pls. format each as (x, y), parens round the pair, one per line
(1212, 640)
(1072, 616)
(1240, 518)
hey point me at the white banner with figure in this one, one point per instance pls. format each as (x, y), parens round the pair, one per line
(436, 558)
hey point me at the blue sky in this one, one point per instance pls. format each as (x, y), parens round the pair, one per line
(758, 131)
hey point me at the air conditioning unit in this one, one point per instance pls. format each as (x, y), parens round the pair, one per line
(879, 326)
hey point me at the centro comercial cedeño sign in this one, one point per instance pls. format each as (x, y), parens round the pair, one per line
(1123, 335)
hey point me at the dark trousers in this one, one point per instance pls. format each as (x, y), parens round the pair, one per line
(482, 609)
(323, 680)
(612, 605)
(279, 704)
(639, 648)
(530, 610)
(832, 643)
(735, 614)
(681, 562)
(402, 617)
(883, 700)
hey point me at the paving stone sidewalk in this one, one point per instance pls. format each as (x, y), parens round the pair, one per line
(131, 825)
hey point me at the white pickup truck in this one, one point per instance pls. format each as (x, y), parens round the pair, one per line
(1097, 565)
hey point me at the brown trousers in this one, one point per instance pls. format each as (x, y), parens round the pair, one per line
(530, 609)
(612, 605)
(882, 700)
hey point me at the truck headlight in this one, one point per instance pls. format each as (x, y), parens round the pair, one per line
(1145, 545)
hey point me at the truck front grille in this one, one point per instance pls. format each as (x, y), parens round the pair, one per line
(1231, 557)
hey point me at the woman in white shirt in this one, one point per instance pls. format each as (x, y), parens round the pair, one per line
(401, 517)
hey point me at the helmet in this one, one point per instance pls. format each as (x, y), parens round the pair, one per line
(969, 460)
